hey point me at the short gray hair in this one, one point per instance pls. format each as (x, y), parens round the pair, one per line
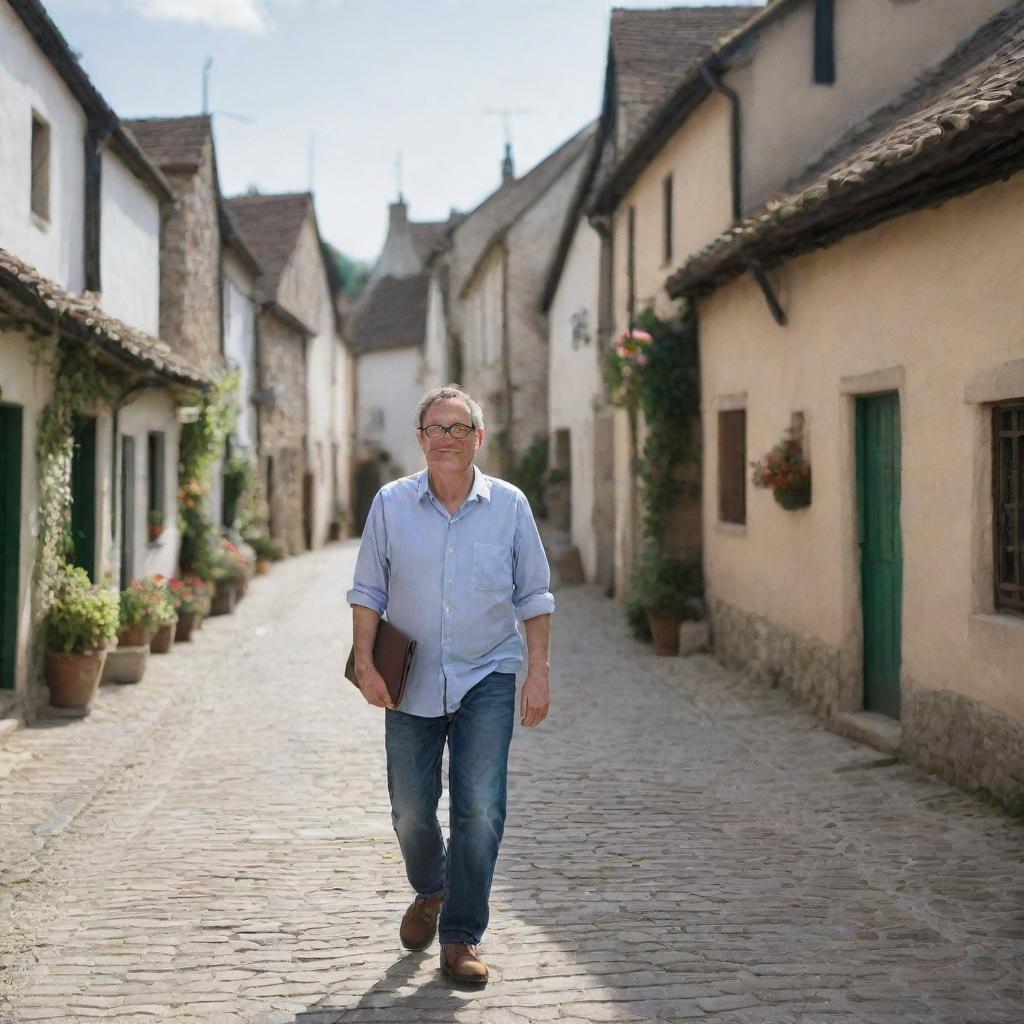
(450, 391)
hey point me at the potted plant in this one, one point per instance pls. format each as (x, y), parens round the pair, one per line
(336, 528)
(786, 471)
(227, 570)
(80, 622)
(267, 550)
(155, 520)
(139, 615)
(163, 639)
(669, 591)
(187, 604)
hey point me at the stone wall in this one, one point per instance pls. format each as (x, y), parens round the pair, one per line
(961, 740)
(190, 276)
(282, 427)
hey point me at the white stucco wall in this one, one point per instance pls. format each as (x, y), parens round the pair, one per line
(388, 393)
(129, 247)
(240, 346)
(28, 82)
(154, 410)
(574, 380)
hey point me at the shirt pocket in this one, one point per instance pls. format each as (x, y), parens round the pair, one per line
(492, 567)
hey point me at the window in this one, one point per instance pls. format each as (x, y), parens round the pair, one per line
(732, 466)
(631, 264)
(824, 42)
(40, 167)
(1008, 492)
(666, 194)
(155, 472)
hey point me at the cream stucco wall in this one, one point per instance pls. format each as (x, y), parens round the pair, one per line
(880, 46)
(574, 380)
(388, 394)
(29, 83)
(129, 247)
(930, 298)
(240, 345)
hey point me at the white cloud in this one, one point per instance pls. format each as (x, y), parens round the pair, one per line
(245, 15)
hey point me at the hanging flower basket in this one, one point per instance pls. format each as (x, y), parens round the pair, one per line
(786, 472)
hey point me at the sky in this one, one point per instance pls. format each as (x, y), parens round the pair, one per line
(356, 98)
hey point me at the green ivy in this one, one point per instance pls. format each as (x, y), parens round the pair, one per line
(529, 475)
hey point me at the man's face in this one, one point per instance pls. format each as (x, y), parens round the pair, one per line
(449, 454)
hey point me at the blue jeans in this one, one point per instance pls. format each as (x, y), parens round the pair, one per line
(478, 734)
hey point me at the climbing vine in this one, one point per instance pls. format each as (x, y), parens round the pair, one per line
(201, 442)
(78, 386)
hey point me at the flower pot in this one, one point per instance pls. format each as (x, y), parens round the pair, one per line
(155, 533)
(125, 664)
(163, 638)
(134, 636)
(665, 631)
(223, 598)
(791, 499)
(73, 678)
(187, 621)
(262, 566)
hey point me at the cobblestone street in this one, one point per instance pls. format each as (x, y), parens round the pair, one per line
(215, 845)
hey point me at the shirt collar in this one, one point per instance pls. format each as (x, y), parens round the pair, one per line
(481, 488)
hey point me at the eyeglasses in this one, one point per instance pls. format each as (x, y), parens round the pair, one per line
(435, 430)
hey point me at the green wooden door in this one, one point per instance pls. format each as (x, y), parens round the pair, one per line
(10, 529)
(127, 510)
(881, 549)
(83, 495)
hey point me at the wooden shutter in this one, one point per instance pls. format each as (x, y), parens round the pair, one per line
(732, 466)
(1008, 496)
(666, 190)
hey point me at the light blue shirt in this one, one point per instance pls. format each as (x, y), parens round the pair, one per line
(457, 584)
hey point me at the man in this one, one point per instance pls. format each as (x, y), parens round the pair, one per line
(454, 559)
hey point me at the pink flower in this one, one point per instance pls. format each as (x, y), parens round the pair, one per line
(641, 359)
(643, 337)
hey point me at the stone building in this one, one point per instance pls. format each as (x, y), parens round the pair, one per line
(80, 219)
(851, 255)
(207, 272)
(306, 474)
(492, 272)
(388, 328)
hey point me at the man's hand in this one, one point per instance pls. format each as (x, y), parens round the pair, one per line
(535, 698)
(373, 687)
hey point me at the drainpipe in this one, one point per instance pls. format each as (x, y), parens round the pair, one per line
(713, 82)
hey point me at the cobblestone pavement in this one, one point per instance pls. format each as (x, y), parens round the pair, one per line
(215, 845)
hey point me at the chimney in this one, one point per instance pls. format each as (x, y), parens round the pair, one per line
(508, 172)
(398, 213)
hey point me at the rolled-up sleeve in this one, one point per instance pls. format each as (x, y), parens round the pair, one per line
(532, 576)
(370, 581)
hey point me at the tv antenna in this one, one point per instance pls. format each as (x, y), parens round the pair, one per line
(207, 64)
(506, 114)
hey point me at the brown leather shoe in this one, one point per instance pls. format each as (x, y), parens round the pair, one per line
(459, 961)
(419, 925)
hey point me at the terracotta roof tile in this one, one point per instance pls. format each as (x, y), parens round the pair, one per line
(956, 128)
(80, 316)
(392, 315)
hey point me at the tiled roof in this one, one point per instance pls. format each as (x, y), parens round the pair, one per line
(271, 226)
(174, 143)
(959, 126)
(80, 317)
(505, 206)
(392, 315)
(651, 50)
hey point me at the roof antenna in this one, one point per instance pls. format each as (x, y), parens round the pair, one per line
(310, 161)
(398, 176)
(207, 64)
(506, 114)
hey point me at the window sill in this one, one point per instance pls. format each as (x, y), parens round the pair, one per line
(1013, 624)
(733, 529)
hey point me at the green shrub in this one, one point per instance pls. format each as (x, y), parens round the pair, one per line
(82, 617)
(668, 586)
(266, 548)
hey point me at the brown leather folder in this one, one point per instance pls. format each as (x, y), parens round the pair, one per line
(392, 657)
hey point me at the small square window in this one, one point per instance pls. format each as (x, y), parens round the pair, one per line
(40, 167)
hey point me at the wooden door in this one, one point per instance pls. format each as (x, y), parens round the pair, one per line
(881, 549)
(127, 510)
(10, 530)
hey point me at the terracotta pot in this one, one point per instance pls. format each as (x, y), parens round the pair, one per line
(262, 566)
(665, 631)
(73, 678)
(186, 623)
(163, 638)
(134, 636)
(224, 598)
(125, 664)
